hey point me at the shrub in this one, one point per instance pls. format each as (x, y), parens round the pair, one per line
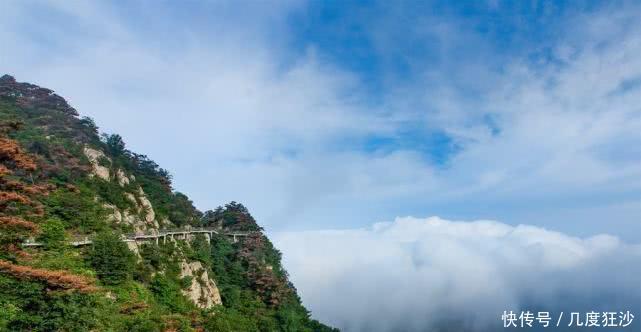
(76, 209)
(168, 293)
(111, 258)
(53, 234)
(30, 306)
(230, 320)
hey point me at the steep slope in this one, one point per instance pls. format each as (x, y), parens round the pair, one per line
(85, 241)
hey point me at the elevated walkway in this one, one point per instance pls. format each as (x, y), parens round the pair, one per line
(156, 236)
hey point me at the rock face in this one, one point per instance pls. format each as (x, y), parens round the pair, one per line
(134, 248)
(95, 156)
(145, 206)
(123, 180)
(115, 214)
(142, 217)
(202, 291)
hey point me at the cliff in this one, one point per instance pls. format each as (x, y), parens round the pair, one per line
(94, 237)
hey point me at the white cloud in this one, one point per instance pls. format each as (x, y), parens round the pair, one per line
(414, 274)
(221, 102)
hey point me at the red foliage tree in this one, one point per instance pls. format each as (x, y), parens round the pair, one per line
(18, 199)
(54, 279)
(272, 288)
(16, 196)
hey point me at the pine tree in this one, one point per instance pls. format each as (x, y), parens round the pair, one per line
(111, 258)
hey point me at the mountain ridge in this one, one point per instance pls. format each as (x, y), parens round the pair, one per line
(61, 179)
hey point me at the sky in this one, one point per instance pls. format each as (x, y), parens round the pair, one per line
(332, 117)
(340, 114)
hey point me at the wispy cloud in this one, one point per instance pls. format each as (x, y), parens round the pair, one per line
(218, 95)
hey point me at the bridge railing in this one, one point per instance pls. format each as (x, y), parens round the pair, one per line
(83, 240)
(173, 231)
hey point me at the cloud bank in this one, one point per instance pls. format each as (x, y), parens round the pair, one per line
(422, 274)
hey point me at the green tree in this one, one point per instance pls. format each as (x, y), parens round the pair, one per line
(111, 258)
(30, 306)
(168, 293)
(293, 318)
(8, 312)
(53, 234)
(229, 320)
(90, 124)
(182, 211)
(77, 208)
(115, 145)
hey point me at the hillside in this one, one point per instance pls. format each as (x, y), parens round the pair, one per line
(84, 241)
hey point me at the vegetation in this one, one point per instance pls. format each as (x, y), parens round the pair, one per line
(49, 193)
(111, 259)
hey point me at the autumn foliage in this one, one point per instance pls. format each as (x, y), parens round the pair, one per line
(270, 287)
(54, 279)
(18, 223)
(12, 154)
(16, 195)
(17, 199)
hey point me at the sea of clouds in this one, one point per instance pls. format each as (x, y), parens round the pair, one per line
(429, 274)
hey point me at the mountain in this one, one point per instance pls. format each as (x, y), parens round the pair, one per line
(93, 237)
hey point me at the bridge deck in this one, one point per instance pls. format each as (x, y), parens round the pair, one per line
(151, 235)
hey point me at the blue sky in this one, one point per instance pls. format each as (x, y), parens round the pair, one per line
(333, 114)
